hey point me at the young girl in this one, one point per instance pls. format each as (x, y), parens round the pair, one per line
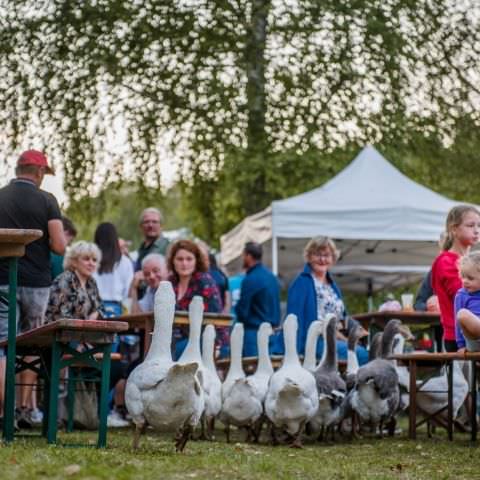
(467, 304)
(462, 231)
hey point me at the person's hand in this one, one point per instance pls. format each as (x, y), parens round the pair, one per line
(137, 279)
(432, 304)
(462, 350)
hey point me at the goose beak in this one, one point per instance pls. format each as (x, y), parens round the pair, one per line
(406, 332)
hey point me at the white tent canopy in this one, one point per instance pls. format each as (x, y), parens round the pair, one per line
(386, 226)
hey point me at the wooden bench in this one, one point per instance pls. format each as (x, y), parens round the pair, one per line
(50, 344)
(420, 359)
(250, 363)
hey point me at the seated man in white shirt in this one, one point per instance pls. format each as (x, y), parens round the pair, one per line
(154, 270)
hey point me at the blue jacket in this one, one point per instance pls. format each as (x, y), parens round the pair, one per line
(302, 301)
(259, 298)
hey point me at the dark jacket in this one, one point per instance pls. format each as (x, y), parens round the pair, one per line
(259, 298)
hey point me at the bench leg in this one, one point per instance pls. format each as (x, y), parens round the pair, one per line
(71, 383)
(474, 401)
(450, 399)
(412, 420)
(104, 389)
(9, 407)
(53, 395)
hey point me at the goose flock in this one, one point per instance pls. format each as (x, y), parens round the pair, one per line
(297, 400)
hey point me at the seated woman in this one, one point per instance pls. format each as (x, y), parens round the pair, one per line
(188, 274)
(74, 293)
(313, 294)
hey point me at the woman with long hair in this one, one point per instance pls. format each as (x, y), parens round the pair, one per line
(115, 272)
(189, 276)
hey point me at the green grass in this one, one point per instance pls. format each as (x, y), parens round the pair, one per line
(390, 458)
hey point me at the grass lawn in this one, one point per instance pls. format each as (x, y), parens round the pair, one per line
(390, 458)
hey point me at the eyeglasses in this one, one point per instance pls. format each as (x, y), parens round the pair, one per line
(326, 256)
(147, 222)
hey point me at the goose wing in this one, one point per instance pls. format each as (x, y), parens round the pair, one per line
(382, 374)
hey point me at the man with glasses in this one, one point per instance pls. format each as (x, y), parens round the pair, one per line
(24, 205)
(153, 241)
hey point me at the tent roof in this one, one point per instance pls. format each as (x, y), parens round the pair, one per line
(369, 199)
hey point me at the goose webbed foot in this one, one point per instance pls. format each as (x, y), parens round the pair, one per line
(297, 441)
(182, 438)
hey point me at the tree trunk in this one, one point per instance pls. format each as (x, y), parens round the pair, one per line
(257, 141)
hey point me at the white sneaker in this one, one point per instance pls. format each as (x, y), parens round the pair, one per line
(36, 416)
(115, 420)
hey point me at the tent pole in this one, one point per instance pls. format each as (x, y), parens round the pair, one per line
(370, 294)
(274, 255)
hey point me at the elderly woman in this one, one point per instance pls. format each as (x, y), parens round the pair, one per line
(313, 294)
(189, 276)
(74, 293)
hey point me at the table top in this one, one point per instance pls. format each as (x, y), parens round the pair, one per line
(139, 320)
(421, 356)
(19, 235)
(46, 333)
(409, 317)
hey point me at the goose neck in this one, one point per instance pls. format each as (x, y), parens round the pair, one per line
(387, 342)
(329, 357)
(192, 350)
(208, 351)
(160, 346)
(310, 359)
(236, 346)
(264, 362)
(290, 338)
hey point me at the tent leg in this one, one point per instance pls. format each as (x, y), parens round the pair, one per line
(274, 255)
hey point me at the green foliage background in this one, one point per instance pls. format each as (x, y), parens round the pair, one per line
(252, 100)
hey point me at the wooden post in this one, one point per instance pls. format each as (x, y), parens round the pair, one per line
(12, 246)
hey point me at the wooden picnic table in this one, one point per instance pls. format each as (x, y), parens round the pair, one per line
(144, 323)
(411, 318)
(422, 359)
(50, 347)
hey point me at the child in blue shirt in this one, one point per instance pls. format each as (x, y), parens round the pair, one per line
(467, 304)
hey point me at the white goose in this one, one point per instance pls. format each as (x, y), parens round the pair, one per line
(292, 397)
(314, 331)
(235, 372)
(243, 406)
(211, 381)
(159, 392)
